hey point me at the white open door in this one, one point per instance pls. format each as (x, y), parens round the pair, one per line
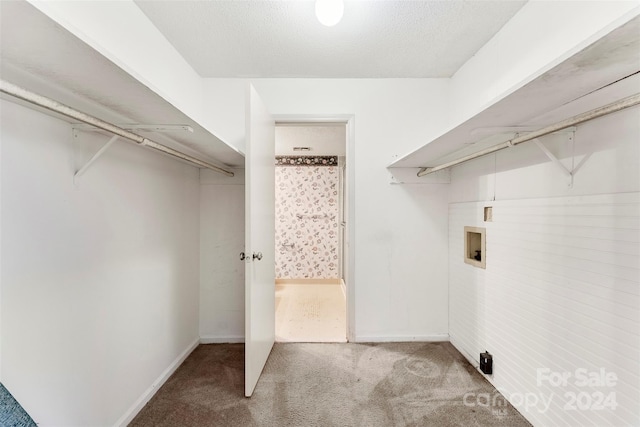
(260, 239)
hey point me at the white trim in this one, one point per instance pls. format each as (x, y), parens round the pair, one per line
(315, 119)
(308, 281)
(212, 339)
(402, 338)
(350, 229)
(467, 356)
(476, 366)
(153, 389)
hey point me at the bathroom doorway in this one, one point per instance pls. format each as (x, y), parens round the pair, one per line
(311, 233)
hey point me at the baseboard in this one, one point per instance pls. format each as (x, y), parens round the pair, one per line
(476, 365)
(472, 360)
(403, 338)
(232, 339)
(466, 355)
(307, 281)
(151, 391)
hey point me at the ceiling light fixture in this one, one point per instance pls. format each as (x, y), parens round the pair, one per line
(329, 12)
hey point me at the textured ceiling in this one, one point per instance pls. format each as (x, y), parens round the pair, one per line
(265, 38)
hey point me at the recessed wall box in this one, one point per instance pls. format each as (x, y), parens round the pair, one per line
(488, 214)
(486, 363)
(475, 247)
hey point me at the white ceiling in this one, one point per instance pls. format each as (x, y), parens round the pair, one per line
(282, 38)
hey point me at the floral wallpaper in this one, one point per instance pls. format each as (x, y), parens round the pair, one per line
(306, 160)
(307, 219)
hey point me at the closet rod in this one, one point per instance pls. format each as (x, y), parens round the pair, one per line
(575, 120)
(50, 104)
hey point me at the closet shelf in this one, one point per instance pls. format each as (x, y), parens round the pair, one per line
(603, 72)
(48, 65)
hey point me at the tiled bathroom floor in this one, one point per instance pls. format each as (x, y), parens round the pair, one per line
(310, 313)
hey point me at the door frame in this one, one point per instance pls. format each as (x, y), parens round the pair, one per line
(349, 121)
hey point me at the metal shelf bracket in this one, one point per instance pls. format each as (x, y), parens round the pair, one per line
(162, 128)
(569, 173)
(95, 157)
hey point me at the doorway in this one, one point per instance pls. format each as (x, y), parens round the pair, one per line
(310, 232)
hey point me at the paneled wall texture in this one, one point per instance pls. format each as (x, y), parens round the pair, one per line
(559, 296)
(307, 218)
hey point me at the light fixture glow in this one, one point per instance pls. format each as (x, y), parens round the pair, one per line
(329, 12)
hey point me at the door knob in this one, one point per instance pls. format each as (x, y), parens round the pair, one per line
(257, 256)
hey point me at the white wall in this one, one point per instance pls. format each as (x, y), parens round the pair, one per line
(1, 317)
(323, 140)
(99, 280)
(221, 271)
(400, 282)
(560, 290)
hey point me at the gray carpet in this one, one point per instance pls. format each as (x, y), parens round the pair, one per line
(384, 384)
(12, 414)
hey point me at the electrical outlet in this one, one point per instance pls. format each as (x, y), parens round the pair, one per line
(486, 363)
